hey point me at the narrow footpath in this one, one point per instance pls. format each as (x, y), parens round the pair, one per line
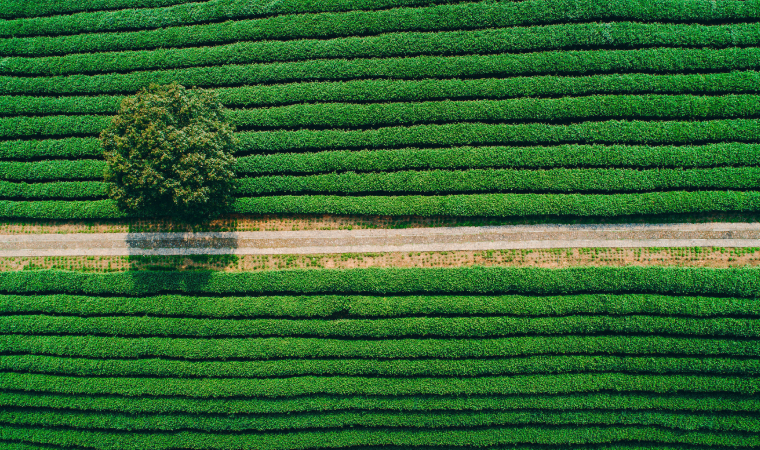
(383, 240)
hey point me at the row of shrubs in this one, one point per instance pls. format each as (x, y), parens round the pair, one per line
(378, 90)
(123, 15)
(373, 419)
(484, 205)
(563, 155)
(651, 60)
(488, 41)
(350, 116)
(221, 349)
(438, 367)
(434, 136)
(629, 402)
(373, 307)
(439, 181)
(517, 437)
(13, 9)
(459, 327)
(346, 385)
(470, 280)
(441, 17)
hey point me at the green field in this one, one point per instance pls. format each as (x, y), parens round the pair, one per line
(381, 358)
(593, 109)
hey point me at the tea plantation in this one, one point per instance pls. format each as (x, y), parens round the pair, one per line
(595, 108)
(381, 358)
(592, 109)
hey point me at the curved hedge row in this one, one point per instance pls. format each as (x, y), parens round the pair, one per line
(528, 437)
(418, 67)
(436, 182)
(308, 385)
(174, 13)
(432, 135)
(487, 41)
(461, 327)
(366, 367)
(433, 18)
(613, 132)
(294, 348)
(419, 90)
(320, 403)
(572, 155)
(11, 9)
(377, 419)
(348, 116)
(369, 306)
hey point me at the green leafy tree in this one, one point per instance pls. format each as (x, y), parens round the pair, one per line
(169, 152)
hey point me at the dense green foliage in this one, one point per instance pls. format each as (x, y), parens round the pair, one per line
(463, 357)
(401, 107)
(169, 151)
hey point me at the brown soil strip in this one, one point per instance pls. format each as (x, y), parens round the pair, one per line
(318, 222)
(550, 258)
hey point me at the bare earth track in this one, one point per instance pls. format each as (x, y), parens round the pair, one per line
(384, 240)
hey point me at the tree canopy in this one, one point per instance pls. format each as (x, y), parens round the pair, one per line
(169, 152)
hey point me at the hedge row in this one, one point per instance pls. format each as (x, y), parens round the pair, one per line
(736, 82)
(630, 402)
(419, 67)
(338, 385)
(489, 41)
(12, 105)
(294, 348)
(21, 127)
(370, 306)
(65, 189)
(73, 148)
(83, 169)
(11, 9)
(573, 155)
(460, 327)
(181, 14)
(470, 280)
(529, 436)
(433, 135)
(375, 419)
(499, 180)
(436, 182)
(352, 23)
(484, 205)
(348, 115)
(368, 367)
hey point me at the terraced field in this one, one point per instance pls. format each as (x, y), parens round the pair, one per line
(402, 107)
(405, 358)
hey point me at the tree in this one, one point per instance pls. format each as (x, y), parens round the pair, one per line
(169, 152)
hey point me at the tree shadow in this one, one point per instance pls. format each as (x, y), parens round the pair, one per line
(196, 246)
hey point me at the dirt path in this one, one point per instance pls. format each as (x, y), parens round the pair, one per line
(384, 240)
